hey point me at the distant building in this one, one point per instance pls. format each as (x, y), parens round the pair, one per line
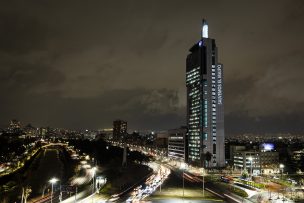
(297, 155)
(260, 161)
(161, 139)
(88, 134)
(119, 129)
(234, 149)
(205, 103)
(106, 134)
(43, 131)
(269, 162)
(297, 158)
(249, 160)
(14, 127)
(177, 144)
(30, 131)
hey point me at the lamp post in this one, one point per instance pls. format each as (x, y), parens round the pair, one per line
(203, 173)
(75, 200)
(281, 169)
(160, 178)
(52, 181)
(183, 166)
(99, 182)
(250, 159)
(94, 173)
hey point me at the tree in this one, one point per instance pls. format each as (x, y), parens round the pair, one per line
(208, 157)
(301, 181)
(26, 193)
(245, 174)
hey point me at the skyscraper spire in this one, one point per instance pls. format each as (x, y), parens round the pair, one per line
(204, 29)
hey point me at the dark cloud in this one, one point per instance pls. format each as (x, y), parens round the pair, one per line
(274, 90)
(75, 64)
(278, 123)
(21, 34)
(19, 76)
(147, 108)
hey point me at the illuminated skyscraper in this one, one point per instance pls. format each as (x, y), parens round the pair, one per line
(205, 103)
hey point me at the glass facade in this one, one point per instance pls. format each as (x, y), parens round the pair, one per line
(195, 115)
(205, 113)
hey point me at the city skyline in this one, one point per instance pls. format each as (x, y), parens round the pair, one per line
(62, 69)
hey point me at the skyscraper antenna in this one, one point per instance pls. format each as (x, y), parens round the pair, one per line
(204, 29)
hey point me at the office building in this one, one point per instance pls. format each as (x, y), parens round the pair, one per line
(205, 103)
(161, 139)
(177, 144)
(119, 129)
(264, 160)
(249, 160)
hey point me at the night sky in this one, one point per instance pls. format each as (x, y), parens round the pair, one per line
(82, 64)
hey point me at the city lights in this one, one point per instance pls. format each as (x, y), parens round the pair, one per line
(139, 101)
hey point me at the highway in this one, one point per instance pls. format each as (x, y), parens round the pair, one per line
(154, 182)
(138, 191)
(195, 179)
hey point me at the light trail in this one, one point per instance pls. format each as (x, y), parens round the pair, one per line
(155, 181)
(232, 198)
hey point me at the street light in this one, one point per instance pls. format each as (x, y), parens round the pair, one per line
(52, 181)
(281, 169)
(250, 159)
(203, 173)
(183, 167)
(100, 181)
(94, 173)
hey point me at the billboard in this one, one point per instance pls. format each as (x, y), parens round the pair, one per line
(267, 147)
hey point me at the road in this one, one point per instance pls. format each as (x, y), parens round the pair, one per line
(72, 194)
(138, 191)
(155, 181)
(211, 187)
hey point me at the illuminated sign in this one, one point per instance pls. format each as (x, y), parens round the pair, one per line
(219, 85)
(267, 146)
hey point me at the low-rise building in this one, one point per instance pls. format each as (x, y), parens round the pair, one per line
(249, 160)
(161, 139)
(259, 161)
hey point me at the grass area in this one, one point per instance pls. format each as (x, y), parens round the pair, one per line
(282, 182)
(173, 189)
(212, 178)
(189, 193)
(106, 190)
(232, 189)
(251, 183)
